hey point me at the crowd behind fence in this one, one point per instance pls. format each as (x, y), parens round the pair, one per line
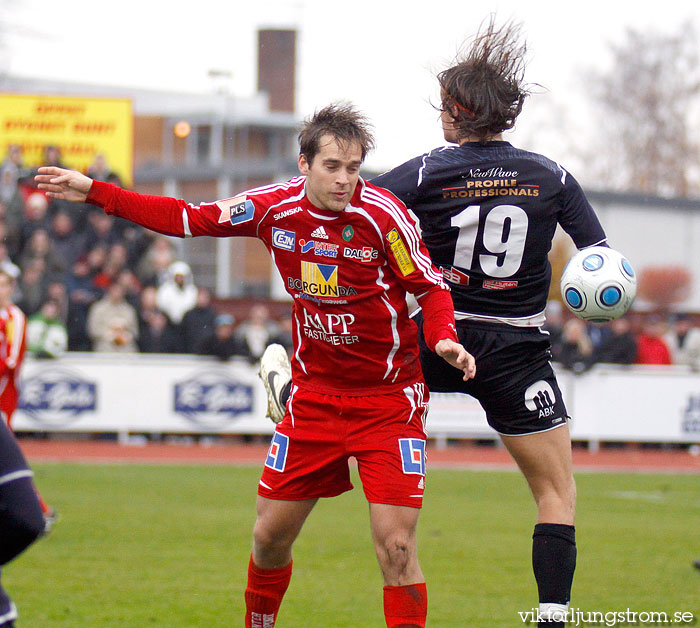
(88, 281)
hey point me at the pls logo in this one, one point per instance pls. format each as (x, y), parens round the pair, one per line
(212, 399)
(57, 396)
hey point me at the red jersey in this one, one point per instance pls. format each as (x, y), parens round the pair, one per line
(348, 273)
(13, 327)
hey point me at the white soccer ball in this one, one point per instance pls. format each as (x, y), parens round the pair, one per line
(598, 284)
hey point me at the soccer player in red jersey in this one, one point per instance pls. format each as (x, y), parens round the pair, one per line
(348, 252)
(13, 343)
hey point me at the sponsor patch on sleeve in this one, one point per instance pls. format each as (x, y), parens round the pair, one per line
(236, 210)
(398, 248)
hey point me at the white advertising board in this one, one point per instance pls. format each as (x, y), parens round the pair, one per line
(85, 392)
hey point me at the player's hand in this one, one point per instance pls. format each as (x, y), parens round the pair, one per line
(456, 355)
(67, 185)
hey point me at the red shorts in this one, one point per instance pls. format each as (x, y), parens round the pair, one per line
(309, 452)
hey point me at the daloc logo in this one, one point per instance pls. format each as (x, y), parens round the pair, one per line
(57, 396)
(211, 399)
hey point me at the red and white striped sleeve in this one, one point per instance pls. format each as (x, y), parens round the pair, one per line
(237, 216)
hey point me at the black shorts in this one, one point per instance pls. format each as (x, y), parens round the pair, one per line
(514, 382)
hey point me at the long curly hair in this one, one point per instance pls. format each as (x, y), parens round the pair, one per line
(484, 91)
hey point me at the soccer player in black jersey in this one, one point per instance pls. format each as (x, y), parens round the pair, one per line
(488, 212)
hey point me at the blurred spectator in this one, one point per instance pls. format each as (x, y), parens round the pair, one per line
(651, 346)
(100, 171)
(5, 255)
(33, 286)
(285, 336)
(67, 243)
(198, 323)
(257, 331)
(619, 346)
(113, 266)
(52, 156)
(157, 335)
(575, 350)
(14, 162)
(222, 343)
(8, 186)
(34, 217)
(178, 294)
(112, 323)
(96, 258)
(147, 302)
(39, 246)
(554, 323)
(599, 334)
(132, 287)
(46, 334)
(12, 203)
(82, 293)
(57, 292)
(683, 340)
(153, 268)
(100, 229)
(6, 262)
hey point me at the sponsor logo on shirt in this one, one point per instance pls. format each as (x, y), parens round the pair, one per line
(365, 254)
(286, 212)
(495, 284)
(236, 210)
(319, 233)
(331, 328)
(412, 455)
(277, 454)
(283, 239)
(398, 248)
(324, 249)
(319, 280)
(491, 172)
(453, 275)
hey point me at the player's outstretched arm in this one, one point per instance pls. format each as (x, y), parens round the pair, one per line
(67, 185)
(456, 355)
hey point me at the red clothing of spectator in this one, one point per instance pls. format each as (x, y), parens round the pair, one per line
(652, 350)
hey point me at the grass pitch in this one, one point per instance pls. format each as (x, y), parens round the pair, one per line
(168, 546)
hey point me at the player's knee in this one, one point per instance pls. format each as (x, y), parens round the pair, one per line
(271, 539)
(396, 551)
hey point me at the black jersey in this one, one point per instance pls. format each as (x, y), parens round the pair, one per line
(488, 213)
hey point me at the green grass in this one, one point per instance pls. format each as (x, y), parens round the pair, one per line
(168, 546)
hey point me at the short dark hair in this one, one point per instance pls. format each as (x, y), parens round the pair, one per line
(485, 85)
(340, 120)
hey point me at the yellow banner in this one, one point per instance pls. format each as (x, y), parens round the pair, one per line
(81, 128)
